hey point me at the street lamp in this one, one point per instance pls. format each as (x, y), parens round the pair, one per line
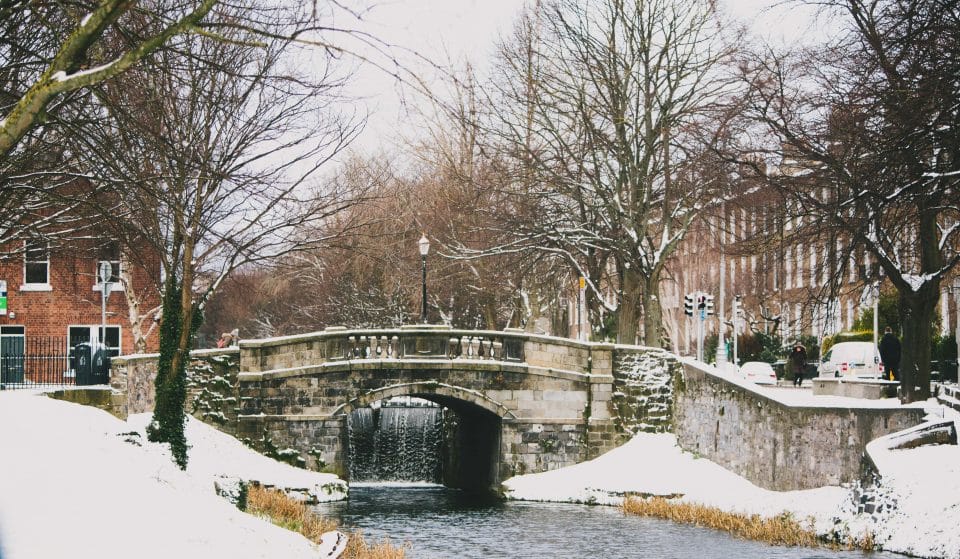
(424, 244)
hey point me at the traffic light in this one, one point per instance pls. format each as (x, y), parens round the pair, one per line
(737, 307)
(688, 304)
(709, 304)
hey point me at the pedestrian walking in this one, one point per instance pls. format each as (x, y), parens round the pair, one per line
(890, 355)
(798, 362)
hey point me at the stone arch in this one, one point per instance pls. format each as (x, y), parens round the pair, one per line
(473, 457)
(426, 390)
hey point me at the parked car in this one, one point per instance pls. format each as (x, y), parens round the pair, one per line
(851, 359)
(758, 372)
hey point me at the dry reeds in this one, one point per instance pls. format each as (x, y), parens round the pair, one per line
(294, 515)
(782, 529)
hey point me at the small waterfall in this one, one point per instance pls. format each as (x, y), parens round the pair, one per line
(396, 443)
(361, 430)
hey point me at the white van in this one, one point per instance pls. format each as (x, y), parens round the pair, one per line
(851, 359)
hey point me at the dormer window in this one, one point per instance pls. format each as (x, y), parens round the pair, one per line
(36, 266)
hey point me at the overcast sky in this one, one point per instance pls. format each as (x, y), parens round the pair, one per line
(455, 30)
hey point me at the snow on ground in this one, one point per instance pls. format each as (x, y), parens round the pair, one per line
(71, 485)
(215, 456)
(924, 482)
(653, 464)
(924, 485)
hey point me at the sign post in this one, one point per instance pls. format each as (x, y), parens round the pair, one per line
(106, 271)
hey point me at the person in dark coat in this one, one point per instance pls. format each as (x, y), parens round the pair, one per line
(890, 355)
(798, 362)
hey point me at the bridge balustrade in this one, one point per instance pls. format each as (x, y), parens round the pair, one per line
(423, 343)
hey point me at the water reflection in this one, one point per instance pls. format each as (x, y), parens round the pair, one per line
(442, 523)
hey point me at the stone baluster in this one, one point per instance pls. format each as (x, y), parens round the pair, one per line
(353, 348)
(380, 340)
(395, 347)
(496, 351)
(474, 347)
(481, 353)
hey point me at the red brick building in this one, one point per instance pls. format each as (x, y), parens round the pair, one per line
(53, 295)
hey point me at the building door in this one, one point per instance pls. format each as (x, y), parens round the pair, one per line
(94, 335)
(12, 342)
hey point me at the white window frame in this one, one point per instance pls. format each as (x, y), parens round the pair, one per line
(95, 333)
(36, 286)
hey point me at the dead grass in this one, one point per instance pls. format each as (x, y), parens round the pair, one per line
(296, 516)
(779, 530)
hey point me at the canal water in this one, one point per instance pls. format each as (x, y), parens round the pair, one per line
(438, 522)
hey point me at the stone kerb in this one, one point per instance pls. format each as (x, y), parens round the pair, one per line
(791, 447)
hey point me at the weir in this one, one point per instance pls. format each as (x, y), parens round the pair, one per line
(396, 443)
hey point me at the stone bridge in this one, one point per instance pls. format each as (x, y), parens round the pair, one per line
(517, 402)
(522, 402)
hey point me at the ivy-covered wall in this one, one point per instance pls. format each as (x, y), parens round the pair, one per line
(212, 395)
(211, 385)
(643, 389)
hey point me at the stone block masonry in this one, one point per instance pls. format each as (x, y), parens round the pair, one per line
(642, 400)
(774, 445)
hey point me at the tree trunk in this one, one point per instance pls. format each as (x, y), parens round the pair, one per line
(168, 421)
(653, 335)
(917, 311)
(628, 311)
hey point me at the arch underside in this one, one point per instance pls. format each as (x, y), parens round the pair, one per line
(444, 394)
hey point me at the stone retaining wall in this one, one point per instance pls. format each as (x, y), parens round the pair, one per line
(135, 376)
(774, 445)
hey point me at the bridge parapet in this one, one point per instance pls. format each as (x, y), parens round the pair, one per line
(418, 342)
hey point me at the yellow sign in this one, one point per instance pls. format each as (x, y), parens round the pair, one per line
(583, 282)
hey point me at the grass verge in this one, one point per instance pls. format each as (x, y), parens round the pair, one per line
(293, 515)
(782, 529)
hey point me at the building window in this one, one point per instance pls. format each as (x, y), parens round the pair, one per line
(788, 273)
(109, 252)
(36, 266)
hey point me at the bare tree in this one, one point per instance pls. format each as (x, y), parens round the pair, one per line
(212, 146)
(867, 129)
(596, 110)
(68, 67)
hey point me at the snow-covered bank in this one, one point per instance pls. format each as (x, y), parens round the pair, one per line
(923, 482)
(71, 485)
(654, 465)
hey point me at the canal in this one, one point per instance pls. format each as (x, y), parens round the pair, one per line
(441, 523)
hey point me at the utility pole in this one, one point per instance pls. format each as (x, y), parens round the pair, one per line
(736, 327)
(721, 344)
(876, 307)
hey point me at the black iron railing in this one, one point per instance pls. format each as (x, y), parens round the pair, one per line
(35, 363)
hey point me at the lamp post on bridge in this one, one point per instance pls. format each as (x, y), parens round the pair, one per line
(424, 244)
